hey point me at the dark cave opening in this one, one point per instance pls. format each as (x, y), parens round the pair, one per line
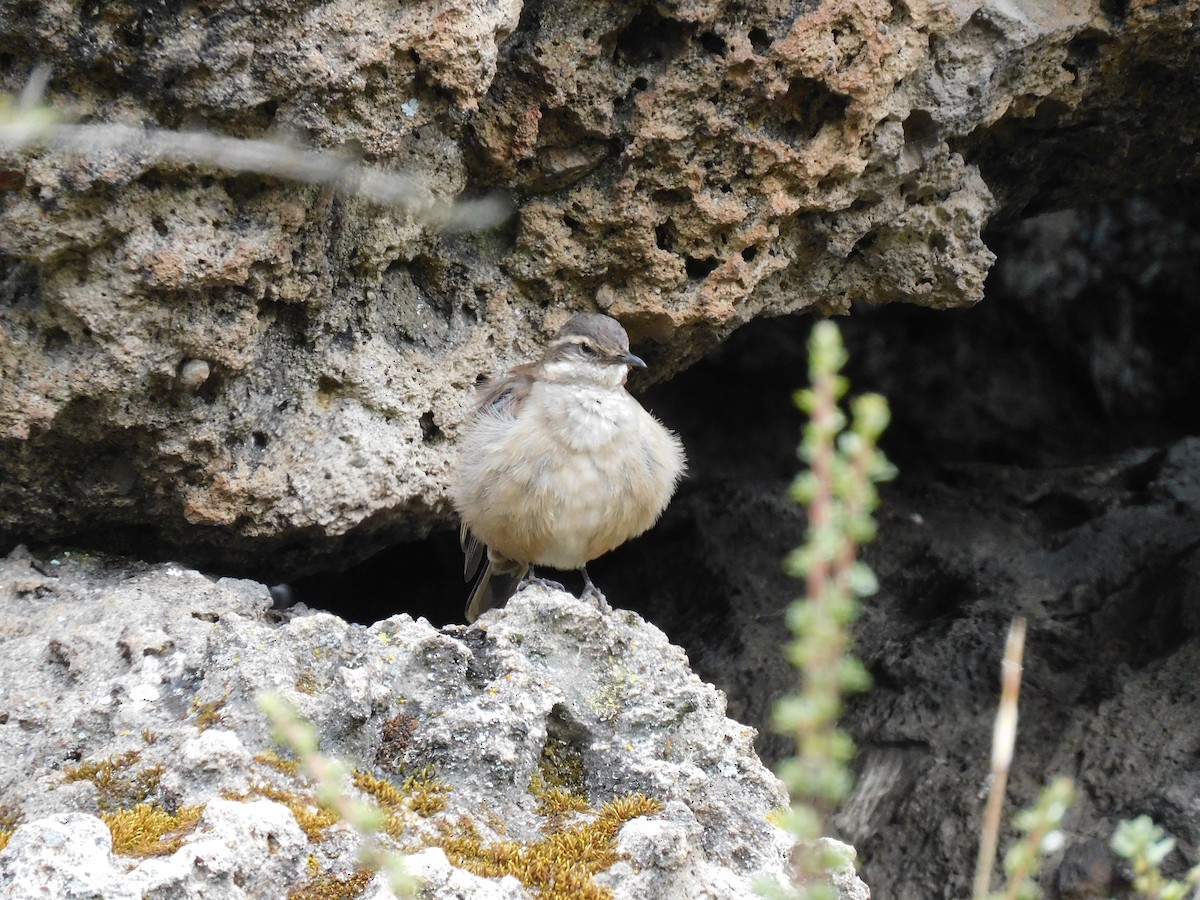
(1065, 361)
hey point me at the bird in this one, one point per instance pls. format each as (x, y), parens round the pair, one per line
(559, 464)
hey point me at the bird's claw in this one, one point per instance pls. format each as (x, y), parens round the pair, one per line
(593, 594)
(534, 581)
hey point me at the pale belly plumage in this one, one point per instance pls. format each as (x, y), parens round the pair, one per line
(573, 476)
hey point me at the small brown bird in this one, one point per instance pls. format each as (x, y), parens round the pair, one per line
(560, 464)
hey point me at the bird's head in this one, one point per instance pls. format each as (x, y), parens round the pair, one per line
(590, 348)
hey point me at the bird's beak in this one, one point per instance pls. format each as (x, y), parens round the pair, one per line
(630, 360)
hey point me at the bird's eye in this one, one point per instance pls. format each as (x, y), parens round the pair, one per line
(587, 348)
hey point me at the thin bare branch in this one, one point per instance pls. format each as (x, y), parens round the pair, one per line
(32, 128)
(1004, 738)
(35, 88)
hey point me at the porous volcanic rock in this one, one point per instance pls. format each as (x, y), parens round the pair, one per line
(126, 684)
(237, 370)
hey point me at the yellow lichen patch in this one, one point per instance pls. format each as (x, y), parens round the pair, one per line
(116, 787)
(609, 699)
(273, 760)
(149, 830)
(329, 887)
(5, 835)
(562, 864)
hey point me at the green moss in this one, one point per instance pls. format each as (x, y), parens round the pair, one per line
(313, 820)
(558, 783)
(560, 766)
(562, 864)
(388, 795)
(209, 714)
(422, 794)
(149, 830)
(273, 760)
(117, 786)
(427, 795)
(556, 802)
(10, 818)
(330, 887)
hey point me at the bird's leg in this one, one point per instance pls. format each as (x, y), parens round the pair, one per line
(532, 579)
(591, 592)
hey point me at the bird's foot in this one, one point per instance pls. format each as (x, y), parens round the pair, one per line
(535, 581)
(593, 594)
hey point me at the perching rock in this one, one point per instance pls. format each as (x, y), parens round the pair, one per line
(241, 371)
(130, 688)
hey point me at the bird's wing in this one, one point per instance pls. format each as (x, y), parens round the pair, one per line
(473, 551)
(499, 581)
(506, 393)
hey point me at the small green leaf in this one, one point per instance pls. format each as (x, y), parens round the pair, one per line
(862, 580)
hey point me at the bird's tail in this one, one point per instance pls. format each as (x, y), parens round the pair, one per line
(497, 582)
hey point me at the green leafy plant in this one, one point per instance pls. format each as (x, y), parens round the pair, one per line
(331, 777)
(838, 488)
(1039, 826)
(1146, 845)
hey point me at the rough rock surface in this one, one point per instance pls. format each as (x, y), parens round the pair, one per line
(238, 370)
(155, 670)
